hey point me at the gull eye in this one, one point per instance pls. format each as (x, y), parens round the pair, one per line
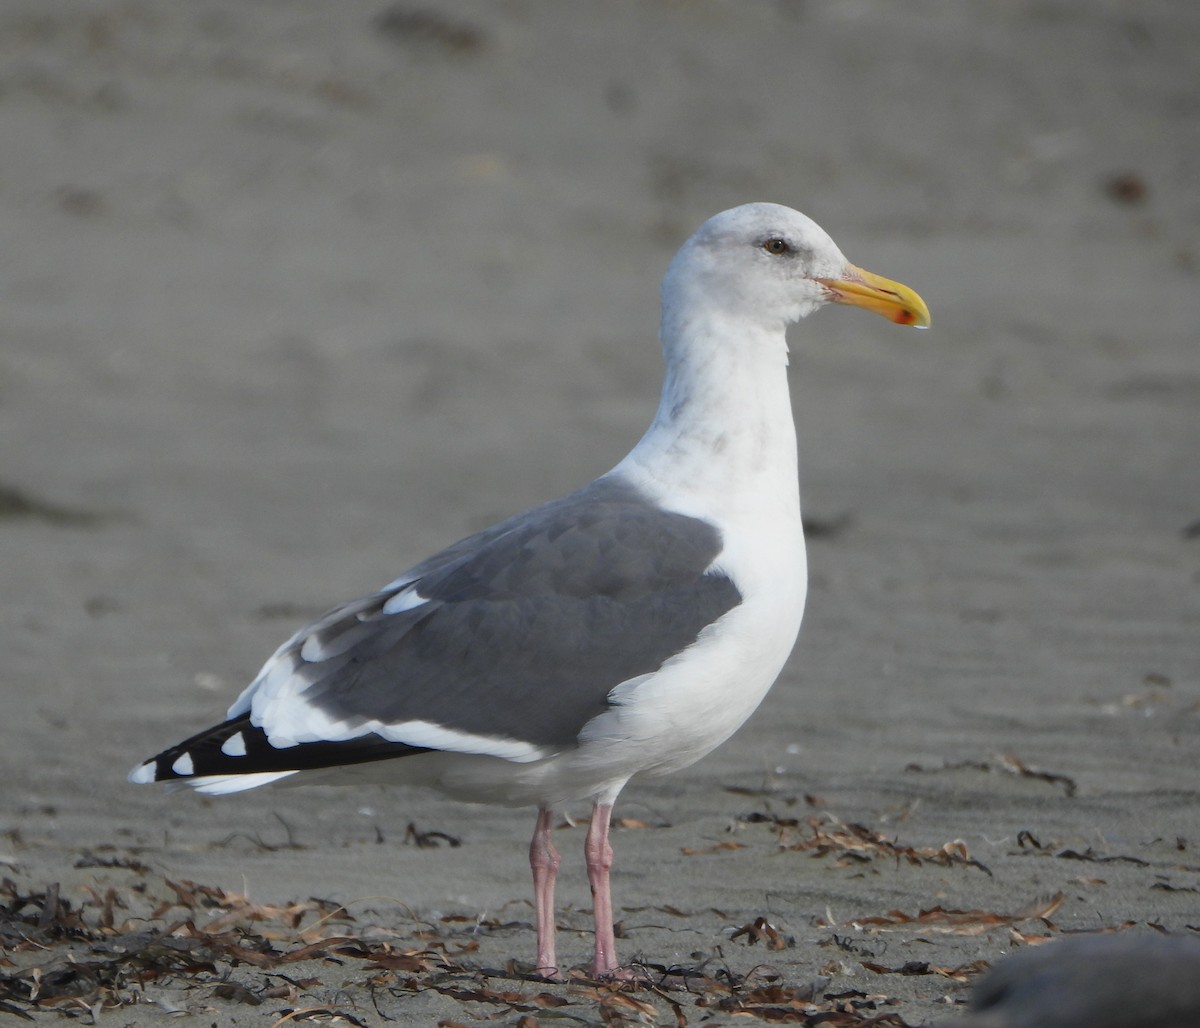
(777, 247)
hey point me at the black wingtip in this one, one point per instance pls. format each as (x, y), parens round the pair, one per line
(237, 747)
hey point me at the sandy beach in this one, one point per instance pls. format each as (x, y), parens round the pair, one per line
(293, 293)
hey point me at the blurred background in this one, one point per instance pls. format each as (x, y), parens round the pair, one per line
(293, 292)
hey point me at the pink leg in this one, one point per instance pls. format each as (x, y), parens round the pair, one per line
(544, 860)
(599, 856)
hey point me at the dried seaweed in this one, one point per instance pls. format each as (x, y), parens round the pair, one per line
(761, 930)
(726, 846)
(90, 859)
(939, 920)
(1027, 842)
(430, 839)
(850, 843)
(910, 968)
(780, 1004)
(224, 948)
(1004, 763)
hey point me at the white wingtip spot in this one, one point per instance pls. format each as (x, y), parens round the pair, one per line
(406, 599)
(143, 774)
(183, 765)
(312, 650)
(234, 746)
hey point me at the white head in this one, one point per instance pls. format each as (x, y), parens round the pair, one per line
(772, 265)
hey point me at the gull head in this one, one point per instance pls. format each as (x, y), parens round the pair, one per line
(768, 264)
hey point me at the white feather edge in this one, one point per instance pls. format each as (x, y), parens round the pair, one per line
(222, 785)
(212, 785)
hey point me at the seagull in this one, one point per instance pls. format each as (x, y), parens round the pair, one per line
(625, 629)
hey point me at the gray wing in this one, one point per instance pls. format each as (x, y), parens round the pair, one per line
(519, 632)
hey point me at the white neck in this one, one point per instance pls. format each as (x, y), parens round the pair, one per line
(723, 443)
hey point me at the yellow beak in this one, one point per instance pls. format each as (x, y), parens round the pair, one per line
(878, 294)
